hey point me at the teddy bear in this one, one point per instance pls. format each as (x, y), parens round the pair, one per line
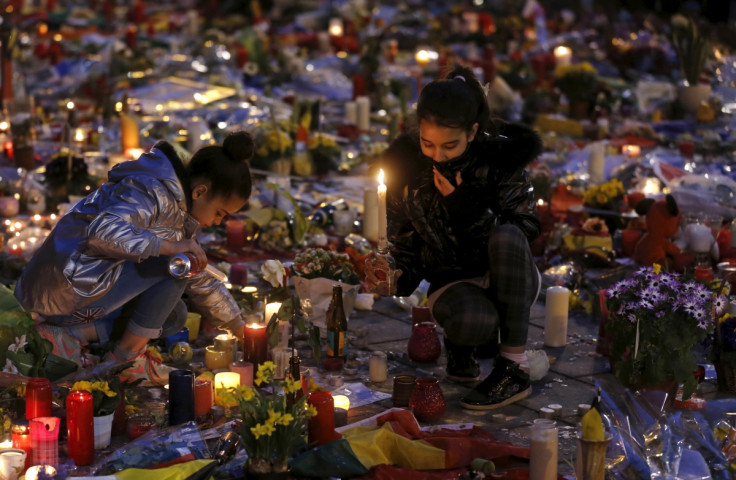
(663, 222)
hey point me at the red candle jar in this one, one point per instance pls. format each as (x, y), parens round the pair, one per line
(138, 424)
(424, 344)
(321, 428)
(38, 398)
(203, 397)
(427, 401)
(255, 343)
(45, 441)
(235, 232)
(704, 273)
(21, 437)
(80, 427)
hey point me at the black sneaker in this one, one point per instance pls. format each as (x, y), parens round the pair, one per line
(506, 384)
(461, 364)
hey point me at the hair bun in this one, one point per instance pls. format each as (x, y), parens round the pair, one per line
(239, 146)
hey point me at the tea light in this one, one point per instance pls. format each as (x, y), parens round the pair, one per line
(48, 471)
(546, 412)
(631, 151)
(583, 408)
(341, 401)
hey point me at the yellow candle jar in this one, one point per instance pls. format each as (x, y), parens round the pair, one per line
(217, 359)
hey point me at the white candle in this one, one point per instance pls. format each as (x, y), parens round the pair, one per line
(555, 324)
(377, 367)
(382, 235)
(596, 162)
(271, 310)
(280, 356)
(563, 56)
(335, 27)
(370, 214)
(351, 113)
(364, 113)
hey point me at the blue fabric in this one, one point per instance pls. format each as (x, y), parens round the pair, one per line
(152, 295)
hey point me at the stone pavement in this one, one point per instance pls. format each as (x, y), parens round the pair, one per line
(574, 369)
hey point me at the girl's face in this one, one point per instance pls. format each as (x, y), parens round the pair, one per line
(210, 209)
(443, 143)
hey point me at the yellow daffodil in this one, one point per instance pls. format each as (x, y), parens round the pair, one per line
(82, 385)
(290, 386)
(246, 393)
(285, 419)
(657, 268)
(273, 417)
(311, 410)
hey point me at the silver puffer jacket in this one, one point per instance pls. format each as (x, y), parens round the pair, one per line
(125, 219)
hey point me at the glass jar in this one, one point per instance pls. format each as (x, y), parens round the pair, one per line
(38, 398)
(321, 428)
(424, 344)
(427, 401)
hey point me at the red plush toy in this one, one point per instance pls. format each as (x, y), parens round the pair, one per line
(663, 220)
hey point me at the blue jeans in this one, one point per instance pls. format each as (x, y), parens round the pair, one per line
(152, 298)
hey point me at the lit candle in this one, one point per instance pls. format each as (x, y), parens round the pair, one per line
(245, 370)
(336, 27)
(38, 398)
(35, 471)
(563, 56)
(228, 343)
(226, 380)
(382, 235)
(631, 151)
(133, 153)
(255, 343)
(422, 57)
(556, 309)
(341, 401)
(21, 438)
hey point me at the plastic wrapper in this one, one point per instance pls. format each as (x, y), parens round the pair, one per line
(157, 448)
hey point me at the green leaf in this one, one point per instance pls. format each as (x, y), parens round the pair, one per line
(272, 331)
(315, 343)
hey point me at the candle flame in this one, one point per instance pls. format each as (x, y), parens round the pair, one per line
(256, 325)
(380, 176)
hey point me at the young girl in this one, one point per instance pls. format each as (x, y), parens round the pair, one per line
(461, 214)
(106, 261)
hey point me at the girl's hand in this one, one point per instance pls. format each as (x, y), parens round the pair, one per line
(443, 184)
(185, 246)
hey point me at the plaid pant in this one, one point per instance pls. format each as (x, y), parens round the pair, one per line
(473, 311)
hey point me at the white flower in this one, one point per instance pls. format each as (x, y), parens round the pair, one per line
(273, 272)
(18, 345)
(9, 367)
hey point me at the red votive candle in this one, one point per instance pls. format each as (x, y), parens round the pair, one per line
(255, 343)
(321, 428)
(80, 427)
(38, 398)
(238, 274)
(203, 397)
(45, 441)
(704, 273)
(21, 438)
(235, 234)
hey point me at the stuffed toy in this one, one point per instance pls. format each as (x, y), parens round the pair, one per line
(663, 222)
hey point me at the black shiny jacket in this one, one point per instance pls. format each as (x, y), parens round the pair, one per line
(444, 239)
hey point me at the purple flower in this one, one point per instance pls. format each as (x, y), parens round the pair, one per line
(719, 304)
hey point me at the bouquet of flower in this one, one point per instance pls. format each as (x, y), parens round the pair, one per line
(325, 151)
(691, 47)
(273, 424)
(272, 144)
(606, 196)
(105, 395)
(579, 82)
(320, 262)
(657, 319)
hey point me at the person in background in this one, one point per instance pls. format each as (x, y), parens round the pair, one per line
(104, 266)
(461, 214)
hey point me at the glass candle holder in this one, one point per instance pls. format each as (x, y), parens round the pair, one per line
(216, 359)
(424, 344)
(255, 343)
(377, 367)
(45, 441)
(321, 428)
(181, 396)
(38, 398)
(203, 397)
(21, 438)
(427, 401)
(12, 463)
(80, 427)
(138, 424)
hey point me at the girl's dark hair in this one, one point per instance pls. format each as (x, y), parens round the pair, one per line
(456, 101)
(225, 166)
